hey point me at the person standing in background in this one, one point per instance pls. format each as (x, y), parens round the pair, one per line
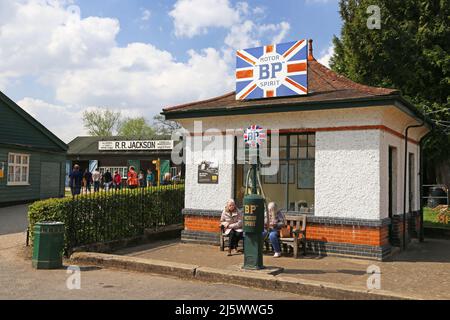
(76, 179)
(117, 180)
(141, 179)
(150, 178)
(132, 180)
(88, 180)
(107, 180)
(96, 177)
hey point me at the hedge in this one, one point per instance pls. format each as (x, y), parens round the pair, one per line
(114, 215)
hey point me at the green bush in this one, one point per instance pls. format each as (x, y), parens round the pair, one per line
(113, 215)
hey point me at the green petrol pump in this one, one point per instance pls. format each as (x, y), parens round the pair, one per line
(254, 206)
(253, 228)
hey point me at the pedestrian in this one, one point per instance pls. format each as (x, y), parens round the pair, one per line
(132, 180)
(107, 180)
(75, 180)
(88, 180)
(176, 178)
(150, 178)
(96, 177)
(117, 180)
(141, 178)
(231, 220)
(276, 222)
(167, 180)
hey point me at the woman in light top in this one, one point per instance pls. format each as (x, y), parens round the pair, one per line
(231, 220)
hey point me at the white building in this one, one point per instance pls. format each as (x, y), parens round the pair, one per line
(343, 148)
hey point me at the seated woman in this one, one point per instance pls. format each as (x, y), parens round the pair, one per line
(277, 220)
(231, 220)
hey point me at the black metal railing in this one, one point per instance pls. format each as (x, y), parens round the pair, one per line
(114, 214)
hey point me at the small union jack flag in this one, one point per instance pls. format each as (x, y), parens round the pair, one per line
(254, 136)
(272, 71)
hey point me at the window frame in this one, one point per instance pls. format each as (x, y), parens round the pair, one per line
(14, 165)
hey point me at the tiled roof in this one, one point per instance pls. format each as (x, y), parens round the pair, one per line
(323, 85)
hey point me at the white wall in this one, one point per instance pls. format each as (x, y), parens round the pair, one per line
(208, 196)
(347, 174)
(351, 178)
(387, 140)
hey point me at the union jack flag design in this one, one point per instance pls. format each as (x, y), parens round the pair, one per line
(272, 71)
(254, 136)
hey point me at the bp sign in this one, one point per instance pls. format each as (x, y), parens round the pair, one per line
(272, 71)
(254, 136)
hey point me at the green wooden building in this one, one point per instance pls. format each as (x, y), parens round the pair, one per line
(32, 159)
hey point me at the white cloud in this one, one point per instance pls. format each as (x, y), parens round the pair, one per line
(79, 61)
(145, 77)
(326, 55)
(249, 34)
(146, 14)
(64, 121)
(194, 17)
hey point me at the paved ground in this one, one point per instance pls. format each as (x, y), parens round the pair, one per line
(13, 219)
(422, 271)
(18, 280)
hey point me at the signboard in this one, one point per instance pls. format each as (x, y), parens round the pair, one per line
(208, 172)
(276, 70)
(135, 145)
(254, 136)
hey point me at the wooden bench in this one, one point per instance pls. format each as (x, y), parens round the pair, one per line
(297, 234)
(225, 238)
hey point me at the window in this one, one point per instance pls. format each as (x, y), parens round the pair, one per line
(292, 187)
(18, 169)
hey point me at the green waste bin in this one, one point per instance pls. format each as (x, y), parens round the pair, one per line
(48, 245)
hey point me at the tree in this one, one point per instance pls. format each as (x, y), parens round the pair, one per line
(135, 128)
(410, 52)
(164, 127)
(101, 122)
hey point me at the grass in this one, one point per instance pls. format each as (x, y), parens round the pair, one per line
(430, 219)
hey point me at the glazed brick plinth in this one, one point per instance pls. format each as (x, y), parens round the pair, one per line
(358, 235)
(364, 238)
(202, 223)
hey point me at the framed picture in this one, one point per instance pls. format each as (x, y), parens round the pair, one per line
(283, 173)
(208, 172)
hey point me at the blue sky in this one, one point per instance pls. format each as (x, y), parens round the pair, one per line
(59, 58)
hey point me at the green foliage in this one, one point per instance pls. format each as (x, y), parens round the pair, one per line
(410, 53)
(135, 128)
(164, 127)
(101, 123)
(114, 215)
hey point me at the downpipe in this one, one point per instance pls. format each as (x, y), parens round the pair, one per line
(404, 180)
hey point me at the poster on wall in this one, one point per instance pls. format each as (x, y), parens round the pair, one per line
(208, 172)
(2, 170)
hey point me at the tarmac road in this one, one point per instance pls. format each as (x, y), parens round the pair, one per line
(18, 280)
(13, 219)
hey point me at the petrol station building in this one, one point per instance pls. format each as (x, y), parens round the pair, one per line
(342, 156)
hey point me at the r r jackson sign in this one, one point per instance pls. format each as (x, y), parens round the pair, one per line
(135, 145)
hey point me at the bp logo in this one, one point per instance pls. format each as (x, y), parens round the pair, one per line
(272, 71)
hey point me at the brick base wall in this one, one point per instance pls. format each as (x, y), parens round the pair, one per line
(325, 236)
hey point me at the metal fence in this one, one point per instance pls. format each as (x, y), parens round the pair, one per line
(116, 214)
